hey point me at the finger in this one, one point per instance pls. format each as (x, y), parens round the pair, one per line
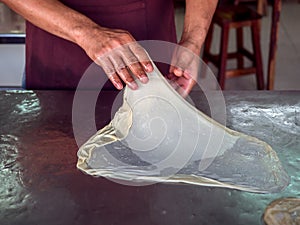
(171, 69)
(173, 60)
(189, 87)
(173, 84)
(142, 56)
(106, 65)
(135, 67)
(185, 86)
(178, 72)
(127, 78)
(116, 81)
(190, 72)
(187, 74)
(122, 71)
(171, 76)
(181, 60)
(182, 91)
(109, 70)
(193, 69)
(180, 86)
(117, 61)
(138, 71)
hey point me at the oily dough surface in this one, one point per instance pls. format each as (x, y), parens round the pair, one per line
(156, 136)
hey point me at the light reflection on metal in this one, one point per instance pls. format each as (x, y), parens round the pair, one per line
(31, 106)
(28, 107)
(13, 194)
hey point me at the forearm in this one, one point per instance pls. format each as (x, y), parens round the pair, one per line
(54, 17)
(198, 16)
(98, 42)
(197, 20)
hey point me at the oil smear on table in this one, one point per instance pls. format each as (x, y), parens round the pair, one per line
(157, 136)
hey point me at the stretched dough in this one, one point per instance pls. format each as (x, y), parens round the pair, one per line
(156, 136)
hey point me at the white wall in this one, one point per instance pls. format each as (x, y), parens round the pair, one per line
(12, 64)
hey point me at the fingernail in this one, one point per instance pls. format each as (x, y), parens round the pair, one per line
(144, 79)
(119, 86)
(132, 85)
(149, 67)
(177, 72)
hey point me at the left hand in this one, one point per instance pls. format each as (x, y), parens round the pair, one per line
(197, 19)
(184, 67)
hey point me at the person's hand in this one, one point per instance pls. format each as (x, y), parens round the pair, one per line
(119, 55)
(184, 67)
(197, 19)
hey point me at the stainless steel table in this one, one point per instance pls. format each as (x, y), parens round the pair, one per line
(39, 182)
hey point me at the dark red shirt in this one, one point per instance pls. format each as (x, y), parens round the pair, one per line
(55, 63)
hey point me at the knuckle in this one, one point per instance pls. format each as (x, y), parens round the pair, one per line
(130, 60)
(114, 43)
(108, 70)
(126, 36)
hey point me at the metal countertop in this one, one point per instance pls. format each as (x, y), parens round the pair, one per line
(39, 182)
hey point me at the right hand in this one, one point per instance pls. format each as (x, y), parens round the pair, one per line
(127, 56)
(184, 67)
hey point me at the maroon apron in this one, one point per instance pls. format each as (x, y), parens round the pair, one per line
(55, 63)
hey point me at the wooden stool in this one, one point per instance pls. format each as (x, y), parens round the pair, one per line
(237, 17)
(261, 5)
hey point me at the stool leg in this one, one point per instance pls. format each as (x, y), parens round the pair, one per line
(223, 56)
(207, 44)
(240, 45)
(257, 55)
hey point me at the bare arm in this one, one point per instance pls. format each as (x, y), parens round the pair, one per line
(197, 20)
(62, 21)
(54, 17)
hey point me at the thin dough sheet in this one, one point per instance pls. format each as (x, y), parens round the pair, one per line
(157, 136)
